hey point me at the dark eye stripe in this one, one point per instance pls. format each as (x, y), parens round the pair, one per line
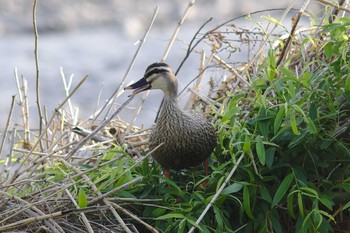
(155, 71)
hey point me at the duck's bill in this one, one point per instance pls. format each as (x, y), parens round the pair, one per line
(139, 86)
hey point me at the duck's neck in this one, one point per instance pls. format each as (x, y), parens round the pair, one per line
(170, 107)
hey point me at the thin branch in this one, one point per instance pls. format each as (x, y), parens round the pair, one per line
(7, 123)
(36, 55)
(117, 91)
(98, 128)
(291, 34)
(334, 5)
(165, 55)
(218, 192)
(179, 24)
(26, 157)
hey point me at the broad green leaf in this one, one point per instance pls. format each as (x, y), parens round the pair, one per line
(270, 155)
(326, 201)
(347, 88)
(233, 188)
(278, 120)
(193, 223)
(290, 204)
(265, 194)
(305, 79)
(313, 111)
(82, 200)
(276, 222)
(246, 202)
(346, 206)
(260, 150)
(328, 50)
(246, 145)
(282, 189)
(310, 125)
(182, 225)
(293, 124)
(347, 83)
(300, 204)
(218, 218)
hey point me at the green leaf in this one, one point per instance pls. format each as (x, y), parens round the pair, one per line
(346, 206)
(328, 50)
(276, 221)
(278, 120)
(265, 194)
(282, 189)
(246, 202)
(300, 204)
(310, 125)
(293, 124)
(270, 154)
(326, 201)
(313, 111)
(260, 150)
(233, 188)
(347, 88)
(170, 216)
(246, 145)
(306, 78)
(218, 218)
(82, 200)
(193, 223)
(290, 204)
(182, 225)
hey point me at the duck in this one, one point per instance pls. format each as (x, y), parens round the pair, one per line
(186, 137)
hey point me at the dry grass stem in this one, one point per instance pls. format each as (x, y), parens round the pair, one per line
(218, 192)
(119, 89)
(7, 123)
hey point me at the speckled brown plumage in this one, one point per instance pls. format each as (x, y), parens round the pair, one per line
(188, 138)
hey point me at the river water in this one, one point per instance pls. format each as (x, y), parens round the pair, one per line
(101, 50)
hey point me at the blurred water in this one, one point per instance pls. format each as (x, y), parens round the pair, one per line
(76, 40)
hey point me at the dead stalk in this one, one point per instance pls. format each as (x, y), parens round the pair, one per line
(218, 192)
(26, 157)
(95, 189)
(119, 89)
(36, 55)
(83, 215)
(165, 55)
(98, 128)
(7, 123)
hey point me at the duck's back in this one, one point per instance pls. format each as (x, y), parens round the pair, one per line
(188, 138)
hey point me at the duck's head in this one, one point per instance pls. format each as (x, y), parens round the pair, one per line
(157, 76)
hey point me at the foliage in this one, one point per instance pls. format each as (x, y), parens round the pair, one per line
(295, 176)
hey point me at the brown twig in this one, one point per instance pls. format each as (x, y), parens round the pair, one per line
(98, 128)
(131, 65)
(7, 123)
(218, 192)
(165, 55)
(36, 55)
(325, 2)
(291, 34)
(26, 157)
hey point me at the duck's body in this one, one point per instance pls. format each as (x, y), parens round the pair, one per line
(188, 138)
